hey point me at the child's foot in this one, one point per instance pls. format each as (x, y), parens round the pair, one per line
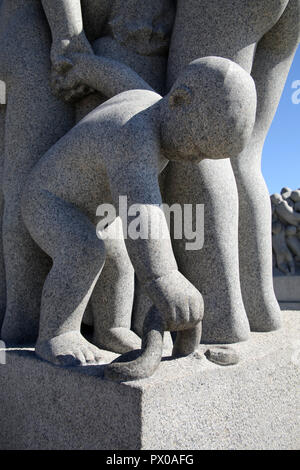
(118, 340)
(68, 349)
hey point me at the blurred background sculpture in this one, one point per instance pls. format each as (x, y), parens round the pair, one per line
(286, 230)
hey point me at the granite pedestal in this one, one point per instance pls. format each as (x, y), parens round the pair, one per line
(287, 290)
(189, 403)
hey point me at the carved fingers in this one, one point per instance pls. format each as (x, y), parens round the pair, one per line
(65, 77)
(180, 303)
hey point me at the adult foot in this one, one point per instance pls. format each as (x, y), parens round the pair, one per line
(264, 315)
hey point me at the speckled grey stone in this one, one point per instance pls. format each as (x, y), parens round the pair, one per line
(142, 131)
(283, 256)
(2, 269)
(287, 288)
(285, 230)
(35, 120)
(262, 37)
(189, 403)
(222, 355)
(136, 36)
(2, 93)
(139, 39)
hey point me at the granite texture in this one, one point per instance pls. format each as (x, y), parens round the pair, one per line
(2, 269)
(2, 93)
(138, 37)
(261, 36)
(287, 288)
(136, 34)
(189, 403)
(103, 66)
(35, 120)
(142, 130)
(286, 230)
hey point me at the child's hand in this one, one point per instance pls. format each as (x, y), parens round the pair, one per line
(65, 79)
(68, 86)
(179, 302)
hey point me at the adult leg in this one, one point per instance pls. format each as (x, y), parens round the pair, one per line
(35, 120)
(214, 269)
(272, 62)
(78, 258)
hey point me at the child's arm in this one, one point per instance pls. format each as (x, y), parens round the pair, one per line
(65, 20)
(64, 17)
(107, 76)
(151, 254)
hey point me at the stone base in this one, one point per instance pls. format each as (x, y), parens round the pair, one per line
(287, 290)
(189, 403)
(289, 305)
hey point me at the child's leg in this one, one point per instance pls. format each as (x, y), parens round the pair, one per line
(112, 298)
(69, 237)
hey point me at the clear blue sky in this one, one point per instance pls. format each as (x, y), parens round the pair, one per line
(281, 156)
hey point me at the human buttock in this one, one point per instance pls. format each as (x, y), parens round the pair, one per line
(230, 28)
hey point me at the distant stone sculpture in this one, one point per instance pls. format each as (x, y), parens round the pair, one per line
(285, 230)
(35, 120)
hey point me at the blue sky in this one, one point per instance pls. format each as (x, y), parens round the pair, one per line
(281, 155)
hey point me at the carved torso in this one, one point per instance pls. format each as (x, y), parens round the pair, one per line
(143, 27)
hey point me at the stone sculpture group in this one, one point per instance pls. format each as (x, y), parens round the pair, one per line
(159, 101)
(286, 230)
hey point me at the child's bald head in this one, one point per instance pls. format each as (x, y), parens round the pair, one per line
(210, 110)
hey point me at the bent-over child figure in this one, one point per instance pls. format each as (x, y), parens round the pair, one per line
(119, 149)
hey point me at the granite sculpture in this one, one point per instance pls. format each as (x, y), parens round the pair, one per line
(2, 269)
(262, 37)
(142, 131)
(100, 50)
(148, 41)
(286, 230)
(35, 120)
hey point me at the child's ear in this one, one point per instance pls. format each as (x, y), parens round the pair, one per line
(180, 96)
